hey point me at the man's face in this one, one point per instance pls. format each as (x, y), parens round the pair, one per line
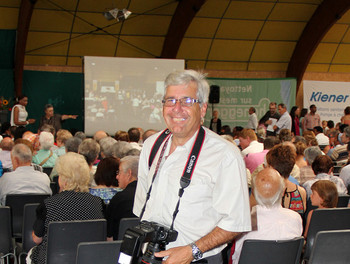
(123, 177)
(313, 109)
(281, 110)
(251, 111)
(49, 112)
(272, 109)
(183, 121)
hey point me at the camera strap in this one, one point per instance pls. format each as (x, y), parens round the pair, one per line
(188, 170)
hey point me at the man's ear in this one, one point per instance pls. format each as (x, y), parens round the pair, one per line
(129, 175)
(204, 110)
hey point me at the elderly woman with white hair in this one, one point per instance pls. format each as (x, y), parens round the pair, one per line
(45, 157)
(74, 202)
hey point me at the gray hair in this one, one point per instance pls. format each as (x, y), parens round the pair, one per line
(72, 144)
(276, 199)
(133, 152)
(311, 153)
(22, 152)
(46, 140)
(347, 131)
(73, 169)
(186, 77)
(47, 128)
(90, 149)
(132, 163)
(120, 149)
(106, 145)
(80, 135)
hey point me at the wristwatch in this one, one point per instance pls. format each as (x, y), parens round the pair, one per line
(196, 252)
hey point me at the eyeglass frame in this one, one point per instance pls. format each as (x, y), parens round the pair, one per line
(181, 101)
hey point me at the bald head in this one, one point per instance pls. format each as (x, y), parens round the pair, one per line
(99, 135)
(7, 144)
(268, 187)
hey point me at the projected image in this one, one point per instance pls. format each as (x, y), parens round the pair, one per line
(112, 101)
(121, 93)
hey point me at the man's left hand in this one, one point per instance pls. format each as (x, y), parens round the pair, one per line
(177, 255)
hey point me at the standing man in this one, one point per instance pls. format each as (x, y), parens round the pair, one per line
(311, 119)
(215, 122)
(270, 119)
(214, 208)
(53, 119)
(285, 120)
(253, 119)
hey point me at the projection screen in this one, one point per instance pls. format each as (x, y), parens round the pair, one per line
(121, 93)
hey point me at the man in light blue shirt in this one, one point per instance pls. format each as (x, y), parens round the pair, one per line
(285, 120)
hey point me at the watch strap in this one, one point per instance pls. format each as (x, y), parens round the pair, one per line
(196, 252)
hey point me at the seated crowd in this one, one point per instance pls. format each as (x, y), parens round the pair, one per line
(314, 168)
(97, 176)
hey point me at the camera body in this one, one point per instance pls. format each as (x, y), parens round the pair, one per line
(156, 235)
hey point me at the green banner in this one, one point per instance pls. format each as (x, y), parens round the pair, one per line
(238, 95)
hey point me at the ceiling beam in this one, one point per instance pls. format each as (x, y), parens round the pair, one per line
(182, 18)
(325, 16)
(24, 17)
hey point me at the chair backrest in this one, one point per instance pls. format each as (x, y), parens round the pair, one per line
(55, 181)
(16, 202)
(126, 223)
(29, 216)
(331, 247)
(323, 220)
(54, 188)
(104, 252)
(5, 230)
(63, 238)
(271, 251)
(47, 171)
(343, 200)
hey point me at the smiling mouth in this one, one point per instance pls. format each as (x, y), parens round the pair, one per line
(178, 119)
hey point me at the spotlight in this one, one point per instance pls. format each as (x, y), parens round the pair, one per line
(115, 13)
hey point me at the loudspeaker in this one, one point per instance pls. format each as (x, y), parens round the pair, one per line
(214, 95)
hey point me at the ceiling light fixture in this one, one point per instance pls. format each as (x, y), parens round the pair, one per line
(115, 13)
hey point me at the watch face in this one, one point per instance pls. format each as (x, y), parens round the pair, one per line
(197, 254)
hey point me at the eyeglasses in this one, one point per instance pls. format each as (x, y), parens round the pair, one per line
(117, 172)
(185, 101)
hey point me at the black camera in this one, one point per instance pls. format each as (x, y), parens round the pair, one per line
(156, 235)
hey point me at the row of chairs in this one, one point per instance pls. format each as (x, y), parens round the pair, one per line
(329, 247)
(63, 238)
(325, 219)
(327, 242)
(65, 241)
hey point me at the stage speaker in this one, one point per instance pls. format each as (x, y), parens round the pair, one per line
(214, 95)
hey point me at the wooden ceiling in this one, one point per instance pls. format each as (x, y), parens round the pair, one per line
(237, 35)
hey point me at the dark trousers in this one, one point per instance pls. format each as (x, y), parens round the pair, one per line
(216, 259)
